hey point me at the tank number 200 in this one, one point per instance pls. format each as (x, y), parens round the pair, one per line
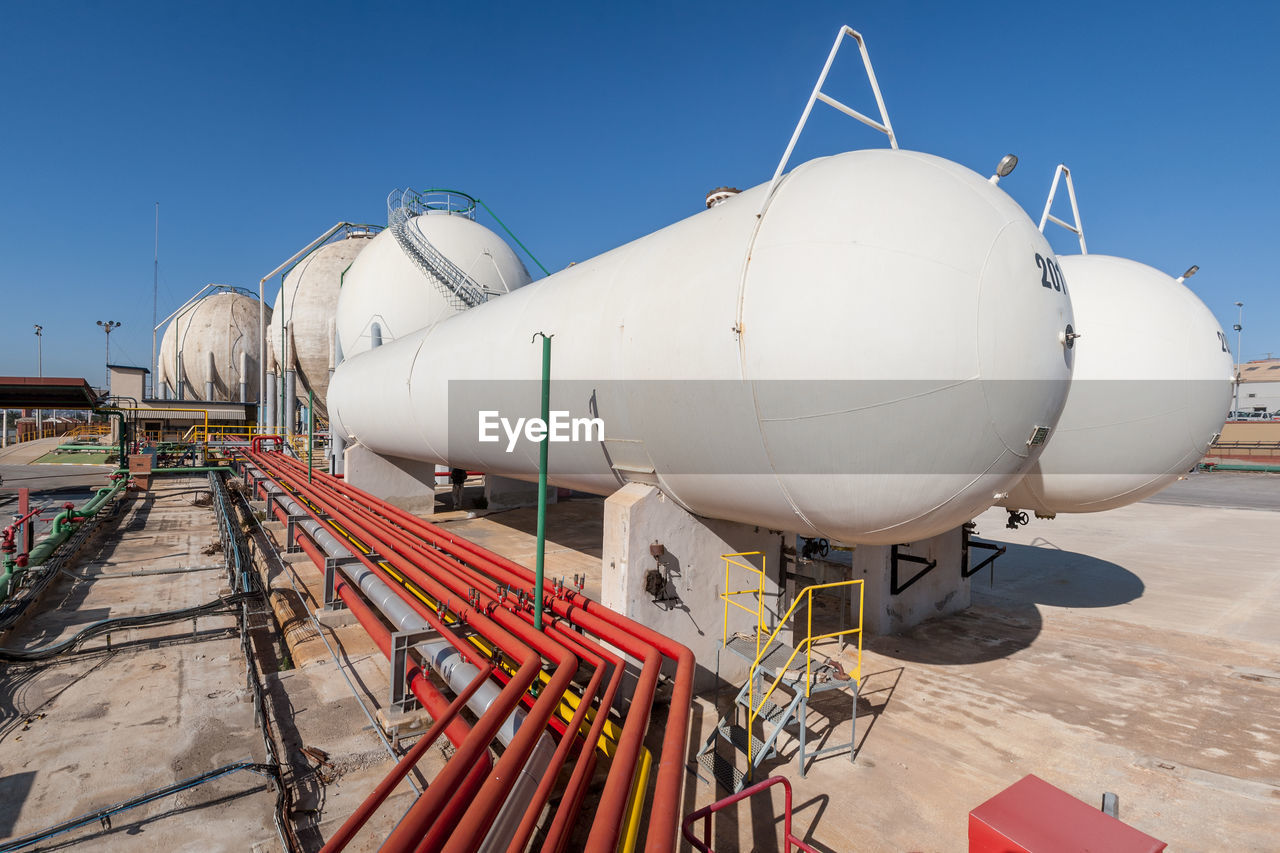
(1050, 273)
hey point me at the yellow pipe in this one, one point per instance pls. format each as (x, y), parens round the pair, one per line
(635, 805)
(568, 703)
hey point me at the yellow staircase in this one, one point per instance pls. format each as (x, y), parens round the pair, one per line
(767, 713)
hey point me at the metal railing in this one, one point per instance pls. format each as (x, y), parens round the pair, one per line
(459, 289)
(789, 840)
(805, 644)
(757, 591)
(201, 434)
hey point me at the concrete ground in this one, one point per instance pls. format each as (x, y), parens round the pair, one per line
(166, 703)
(1135, 651)
(17, 471)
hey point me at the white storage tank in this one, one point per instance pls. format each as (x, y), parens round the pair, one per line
(391, 291)
(216, 341)
(872, 358)
(1151, 390)
(309, 300)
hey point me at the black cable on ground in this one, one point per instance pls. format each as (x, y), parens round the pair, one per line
(103, 816)
(106, 625)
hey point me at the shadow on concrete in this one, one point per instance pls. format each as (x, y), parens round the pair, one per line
(14, 790)
(575, 524)
(1005, 616)
(975, 635)
(1042, 573)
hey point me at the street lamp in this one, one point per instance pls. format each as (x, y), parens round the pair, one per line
(107, 327)
(1239, 328)
(39, 372)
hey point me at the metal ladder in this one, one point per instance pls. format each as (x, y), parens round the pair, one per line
(774, 717)
(784, 665)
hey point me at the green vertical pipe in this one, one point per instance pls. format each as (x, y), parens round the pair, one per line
(544, 444)
(311, 432)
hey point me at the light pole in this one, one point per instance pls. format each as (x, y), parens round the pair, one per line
(39, 372)
(1239, 327)
(107, 327)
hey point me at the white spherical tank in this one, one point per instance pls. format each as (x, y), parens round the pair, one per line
(1151, 389)
(385, 287)
(206, 342)
(309, 300)
(872, 359)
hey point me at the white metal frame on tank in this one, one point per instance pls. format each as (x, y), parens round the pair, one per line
(1076, 229)
(884, 125)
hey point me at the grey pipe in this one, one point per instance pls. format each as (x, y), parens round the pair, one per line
(290, 382)
(337, 441)
(244, 377)
(290, 400)
(448, 663)
(270, 399)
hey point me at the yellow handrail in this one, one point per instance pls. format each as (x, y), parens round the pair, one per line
(758, 591)
(806, 644)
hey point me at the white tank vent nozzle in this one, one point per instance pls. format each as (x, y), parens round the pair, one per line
(720, 195)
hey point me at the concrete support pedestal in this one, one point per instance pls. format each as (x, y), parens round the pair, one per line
(691, 574)
(938, 592)
(405, 483)
(504, 493)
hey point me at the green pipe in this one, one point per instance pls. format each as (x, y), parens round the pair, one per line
(63, 523)
(543, 446)
(513, 237)
(501, 224)
(200, 470)
(123, 437)
(1241, 466)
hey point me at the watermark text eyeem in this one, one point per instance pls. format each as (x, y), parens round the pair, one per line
(561, 427)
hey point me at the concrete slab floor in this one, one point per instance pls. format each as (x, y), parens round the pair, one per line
(1135, 651)
(315, 707)
(101, 727)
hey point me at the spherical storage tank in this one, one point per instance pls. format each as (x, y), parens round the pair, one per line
(867, 355)
(207, 342)
(1151, 389)
(387, 288)
(308, 300)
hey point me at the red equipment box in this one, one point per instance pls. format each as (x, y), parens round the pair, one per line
(1032, 816)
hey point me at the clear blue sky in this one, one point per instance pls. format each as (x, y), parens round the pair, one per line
(257, 125)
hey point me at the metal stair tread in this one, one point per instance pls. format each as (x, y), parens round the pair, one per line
(737, 736)
(722, 770)
(770, 712)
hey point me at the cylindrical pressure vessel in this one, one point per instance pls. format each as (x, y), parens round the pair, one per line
(1151, 390)
(872, 358)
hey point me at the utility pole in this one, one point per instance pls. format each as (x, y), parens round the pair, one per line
(107, 327)
(155, 301)
(39, 373)
(1239, 327)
